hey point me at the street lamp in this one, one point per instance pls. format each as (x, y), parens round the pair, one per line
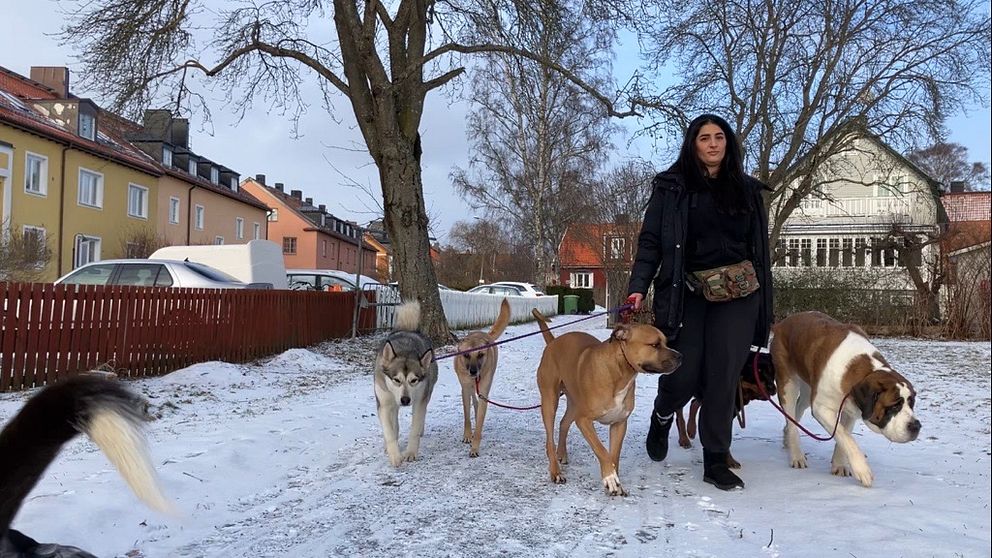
(482, 258)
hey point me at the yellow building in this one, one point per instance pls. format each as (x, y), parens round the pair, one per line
(72, 182)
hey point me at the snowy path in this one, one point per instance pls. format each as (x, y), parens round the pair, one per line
(284, 458)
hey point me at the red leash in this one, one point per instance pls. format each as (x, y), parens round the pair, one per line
(761, 388)
(491, 402)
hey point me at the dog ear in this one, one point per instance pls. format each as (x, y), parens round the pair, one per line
(865, 395)
(388, 353)
(426, 358)
(621, 332)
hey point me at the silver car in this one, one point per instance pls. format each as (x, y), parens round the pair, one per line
(154, 273)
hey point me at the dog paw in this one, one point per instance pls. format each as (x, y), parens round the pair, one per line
(395, 459)
(474, 452)
(558, 478)
(864, 475)
(685, 443)
(467, 438)
(612, 486)
(799, 461)
(841, 470)
(563, 459)
(409, 455)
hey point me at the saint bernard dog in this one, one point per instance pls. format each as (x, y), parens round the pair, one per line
(818, 361)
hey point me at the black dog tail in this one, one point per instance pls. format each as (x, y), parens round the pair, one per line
(104, 410)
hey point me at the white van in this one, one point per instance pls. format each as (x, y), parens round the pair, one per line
(257, 261)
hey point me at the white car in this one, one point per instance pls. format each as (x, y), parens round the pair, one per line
(154, 273)
(501, 290)
(526, 289)
(328, 280)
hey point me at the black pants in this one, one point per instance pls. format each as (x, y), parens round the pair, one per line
(714, 341)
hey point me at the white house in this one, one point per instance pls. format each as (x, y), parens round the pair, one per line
(862, 194)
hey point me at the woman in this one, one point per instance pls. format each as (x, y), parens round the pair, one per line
(704, 222)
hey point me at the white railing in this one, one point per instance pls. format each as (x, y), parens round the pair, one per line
(471, 310)
(856, 207)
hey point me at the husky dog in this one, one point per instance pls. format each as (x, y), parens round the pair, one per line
(405, 374)
(104, 410)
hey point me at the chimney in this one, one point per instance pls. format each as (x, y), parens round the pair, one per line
(279, 186)
(260, 178)
(298, 194)
(957, 187)
(322, 208)
(309, 201)
(180, 132)
(158, 124)
(55, 77)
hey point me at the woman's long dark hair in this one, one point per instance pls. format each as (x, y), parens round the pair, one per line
(730, 192)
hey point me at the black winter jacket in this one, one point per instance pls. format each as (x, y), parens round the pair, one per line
(661, 250)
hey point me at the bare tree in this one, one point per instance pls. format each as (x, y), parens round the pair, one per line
(925, 268)
(141, 242)
(948, 162)
(23, 257)
(791, 74)
(383, 57)
(537, 139)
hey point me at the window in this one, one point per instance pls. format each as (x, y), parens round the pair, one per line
(860, 250)
(87, 126)
(821, 252)
(323, 248)
(805, 251)
(92, 275)
(234, 183)
(218, 240)
(198, 217)
(143, 275)
(87, 250)
(847, 252)
(167, 155)
(35, 246)
(833, 253)
(581, 280)
(257, 230)
(289, 245)
(137, 201)
(273, 214)
(174, 211)
(793, 257)
(36, 174)
(616, 248)
(191, 167)
(90, 188)
(215, 175)
(239, 228)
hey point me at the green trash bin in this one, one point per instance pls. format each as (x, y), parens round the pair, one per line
(570, 304)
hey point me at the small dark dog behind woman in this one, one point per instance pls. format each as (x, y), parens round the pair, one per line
(704, 243)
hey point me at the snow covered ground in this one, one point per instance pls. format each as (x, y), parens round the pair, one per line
(284, 458)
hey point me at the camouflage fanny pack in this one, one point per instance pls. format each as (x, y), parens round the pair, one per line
(726, 282)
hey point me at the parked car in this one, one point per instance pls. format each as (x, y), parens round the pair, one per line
(328, 280)
(501, 290)
(527, 289)
(154, 273)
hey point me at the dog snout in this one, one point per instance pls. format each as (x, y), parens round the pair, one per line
(473, 371)
(405, 400)
(914, 428)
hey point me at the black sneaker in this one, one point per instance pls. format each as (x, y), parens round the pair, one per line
(717, 473)
(657, 442)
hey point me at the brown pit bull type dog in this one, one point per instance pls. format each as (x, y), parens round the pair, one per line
(597, 378)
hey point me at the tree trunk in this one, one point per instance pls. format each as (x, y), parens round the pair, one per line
(406, 223)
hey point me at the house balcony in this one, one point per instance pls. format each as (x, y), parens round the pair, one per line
(858, 207)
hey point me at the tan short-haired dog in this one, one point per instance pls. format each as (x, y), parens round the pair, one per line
(597, 378)
(818, 361)
(478, 365)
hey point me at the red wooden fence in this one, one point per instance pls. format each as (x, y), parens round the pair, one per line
(48, 332)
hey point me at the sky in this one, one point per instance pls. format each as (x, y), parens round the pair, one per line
(284, 457)
(328, 159)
